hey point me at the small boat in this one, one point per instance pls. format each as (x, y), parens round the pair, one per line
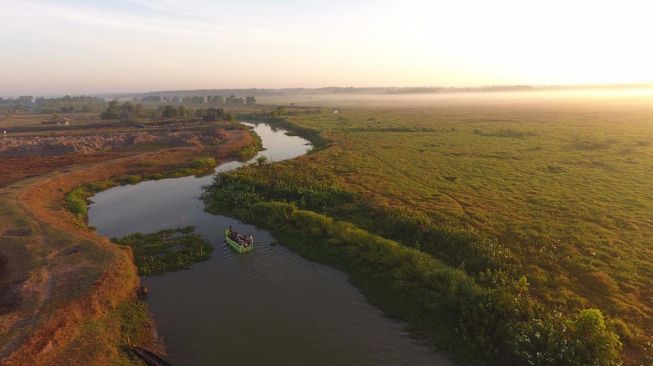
(240, 245)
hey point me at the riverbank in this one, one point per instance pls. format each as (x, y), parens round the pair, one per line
(68, 290)
(457, 287)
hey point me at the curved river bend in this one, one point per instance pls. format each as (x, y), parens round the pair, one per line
(268, 307)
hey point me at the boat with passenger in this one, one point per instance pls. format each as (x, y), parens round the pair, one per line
(239, 242)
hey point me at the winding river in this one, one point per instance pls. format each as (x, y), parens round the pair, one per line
(268, 307)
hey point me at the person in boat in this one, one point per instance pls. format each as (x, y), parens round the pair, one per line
(243, 241)
(251, 239)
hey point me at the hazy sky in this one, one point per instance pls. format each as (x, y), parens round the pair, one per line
(68, 46)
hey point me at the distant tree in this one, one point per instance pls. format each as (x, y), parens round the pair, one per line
(278, 112)
(129, 112)
(169, 112)
(151, 99)
(175, 99)
(199, 113)
(231, 100)
(250, 100)
(213, 114)
(182, 111)
(230, 117)
(25, 101)
(112, 111)
(215, 100)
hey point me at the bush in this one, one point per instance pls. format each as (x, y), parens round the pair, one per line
(492, 320)
(76, 202)
(204, 163)
(166, 250)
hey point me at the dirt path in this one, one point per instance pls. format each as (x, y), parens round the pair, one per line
(63, 278)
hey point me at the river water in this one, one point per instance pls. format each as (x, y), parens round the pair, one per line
(267, 307)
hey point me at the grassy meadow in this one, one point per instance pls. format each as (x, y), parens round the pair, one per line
(553, 192)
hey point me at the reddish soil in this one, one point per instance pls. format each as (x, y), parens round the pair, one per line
(50, 325)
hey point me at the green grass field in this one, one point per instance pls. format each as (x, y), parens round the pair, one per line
(562, 184)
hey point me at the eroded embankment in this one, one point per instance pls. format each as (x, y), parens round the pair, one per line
(64, 286)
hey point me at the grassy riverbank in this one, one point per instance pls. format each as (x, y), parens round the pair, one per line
(545, 203)
(77, 200)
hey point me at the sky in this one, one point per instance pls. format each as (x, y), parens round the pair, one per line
(84, 47)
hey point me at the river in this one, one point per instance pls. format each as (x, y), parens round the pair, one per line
(267, 307)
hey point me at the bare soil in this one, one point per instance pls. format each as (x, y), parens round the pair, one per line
(61, 281)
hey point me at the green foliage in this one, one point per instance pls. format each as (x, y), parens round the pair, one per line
(76, 202)
(468, 249)
(551, 191)
(489, 325)
(204, 163)
(124, 112)
(250, 151)
(166, 250)
(134, 318)
(68, 104)
(247, 152)
(168, 111)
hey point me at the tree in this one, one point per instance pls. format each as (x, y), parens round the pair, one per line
(151, 98)
(215, 100)
(112, 111)
(130, 112)
(233, 100)
(601, 344)
(169, 112)
(278, 112)
(250, 100)
(213, 114)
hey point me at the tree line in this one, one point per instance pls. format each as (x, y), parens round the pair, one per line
(130, 112)
(198, 99)
(65, 104)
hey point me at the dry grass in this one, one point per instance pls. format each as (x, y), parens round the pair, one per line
(71, 283)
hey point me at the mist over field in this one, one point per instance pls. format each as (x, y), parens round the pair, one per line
(326, 183)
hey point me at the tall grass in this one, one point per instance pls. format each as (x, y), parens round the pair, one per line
(476, 323)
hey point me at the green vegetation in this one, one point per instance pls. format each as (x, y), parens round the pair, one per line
(534, 220)
(250, 151)
(65, 104)
(77, 199)
(166, 250)
(124, 112)
(500, 328)
(204, 163)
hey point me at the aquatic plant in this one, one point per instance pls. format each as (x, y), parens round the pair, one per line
(166, 250)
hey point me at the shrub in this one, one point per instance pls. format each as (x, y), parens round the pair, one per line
(166, 250)
(203, 163)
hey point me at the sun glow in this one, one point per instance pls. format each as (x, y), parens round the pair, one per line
(74, 47)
